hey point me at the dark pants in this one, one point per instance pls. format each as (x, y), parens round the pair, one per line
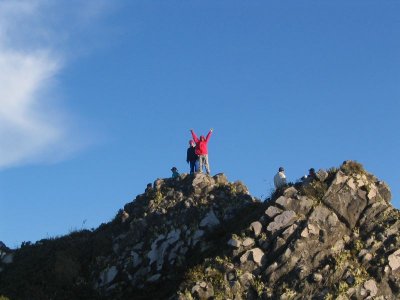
(194, 166)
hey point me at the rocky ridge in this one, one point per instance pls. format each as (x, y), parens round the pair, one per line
(333, 238)
(203, 237)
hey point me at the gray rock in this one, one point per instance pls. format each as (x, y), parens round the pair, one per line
(322, 175)
(289, 231)
(281, 221)
(272, 211)
(256, 228)
(8, 258)
(371, 287)
(256, 255)
(220, 179)
(174, 252)
(136, 260)
(240, 187)
(344, 200)
(246, 279)
(305, 233)
(248, 242)
(197, 235)
(203, 293)
(373, 192)
(202, 181)
(278, 243)
(394, 260)
(317, 277)
(158, 183)
(173, 236)
(210, 220)
(302, 205)
(160, 245)
(271, 268)
(290, 192)
(367, 257)
(234, 243)
(107, 276)
(310, 230)
(384, 191)
(283, 201)
(154, 278)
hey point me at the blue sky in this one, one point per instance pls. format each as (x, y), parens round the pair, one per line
(97, 99)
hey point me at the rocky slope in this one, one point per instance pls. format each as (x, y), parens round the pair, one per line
(202, 237)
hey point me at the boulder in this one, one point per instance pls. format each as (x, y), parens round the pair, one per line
(8, 258)
(220, 179)
(394, 260)
(107, 276)
(256, 255)
(203, 290)
(302, 205)
(370, 286)
(256, 228)
(281, 221)
(234, 243)
(272, 211)
(344, 200)
(197, 235)
(384, 191)
(210, 220)
(322, 175)
(317, 277)
(154, 278)
(290, 192)
(246, 279)
(248, 242)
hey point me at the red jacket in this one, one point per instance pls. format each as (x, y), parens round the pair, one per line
(201, 144)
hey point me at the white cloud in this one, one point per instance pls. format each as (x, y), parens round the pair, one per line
(33, 126)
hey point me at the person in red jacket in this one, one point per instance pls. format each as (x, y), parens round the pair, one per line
(201, 150)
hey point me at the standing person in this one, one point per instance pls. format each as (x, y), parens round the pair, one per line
(280, 178)
(201, 150)
(192, 157)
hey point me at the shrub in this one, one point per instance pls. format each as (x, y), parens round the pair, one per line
(352, 167)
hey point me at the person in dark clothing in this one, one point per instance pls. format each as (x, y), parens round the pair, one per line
(307, 179)
(175, 173)
(192, 158)
(311, 174)
(149, 189)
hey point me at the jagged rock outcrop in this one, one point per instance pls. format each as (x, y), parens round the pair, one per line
(333, 238)
(202, 237)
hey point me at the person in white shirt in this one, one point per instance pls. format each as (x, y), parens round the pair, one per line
(280, 178)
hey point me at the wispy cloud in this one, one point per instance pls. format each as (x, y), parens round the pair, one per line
(33, 126)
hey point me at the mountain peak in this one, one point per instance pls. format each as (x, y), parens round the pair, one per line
(202, 237)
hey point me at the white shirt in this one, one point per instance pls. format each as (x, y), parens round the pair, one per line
(279, 179)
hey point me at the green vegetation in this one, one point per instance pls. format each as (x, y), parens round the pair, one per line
(352, 167)
(53, 267)
(314, 190)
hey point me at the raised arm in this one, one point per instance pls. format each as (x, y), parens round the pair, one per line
(208, 135)
(196, 140)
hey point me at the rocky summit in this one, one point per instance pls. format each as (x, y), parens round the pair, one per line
(202, 237)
